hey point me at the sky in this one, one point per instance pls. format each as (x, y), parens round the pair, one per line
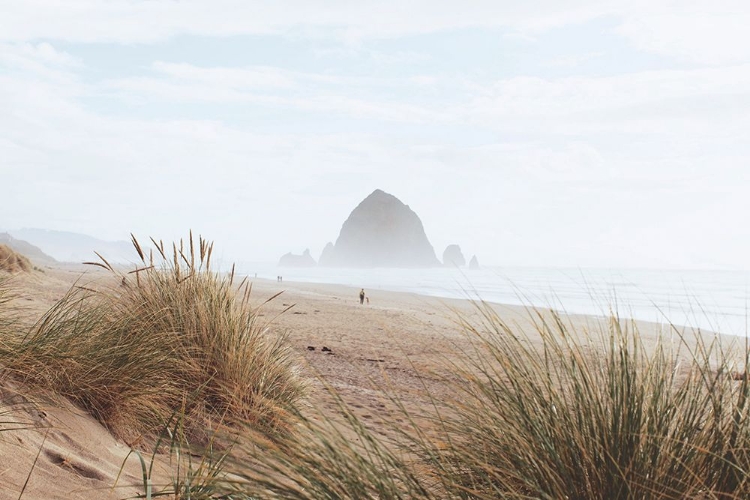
(583, 133)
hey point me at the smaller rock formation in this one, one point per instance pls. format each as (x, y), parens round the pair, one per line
(452, 257)
(291, 260)
(327, 257)
(474, 262)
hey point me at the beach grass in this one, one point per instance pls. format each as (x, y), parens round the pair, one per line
(172, 335)
(12, 261)
(558, 412)
(598, 413)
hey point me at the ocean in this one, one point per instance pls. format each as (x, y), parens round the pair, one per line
(710, 300)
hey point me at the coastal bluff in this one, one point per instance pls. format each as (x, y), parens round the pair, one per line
(381, 232)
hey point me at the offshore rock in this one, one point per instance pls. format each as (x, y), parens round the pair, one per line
(291, 260)
(474, 263)
(452, 256)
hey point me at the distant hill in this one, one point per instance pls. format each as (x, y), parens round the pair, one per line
(25, 248)
(74, 247)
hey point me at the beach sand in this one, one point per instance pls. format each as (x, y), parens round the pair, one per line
(403, 342)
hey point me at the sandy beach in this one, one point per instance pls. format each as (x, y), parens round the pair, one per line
(400, 341)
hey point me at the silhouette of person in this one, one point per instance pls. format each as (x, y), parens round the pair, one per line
(362, 296)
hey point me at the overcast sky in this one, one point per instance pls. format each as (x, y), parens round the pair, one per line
(586, 133)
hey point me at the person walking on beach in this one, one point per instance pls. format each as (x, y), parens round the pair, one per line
(362, 296)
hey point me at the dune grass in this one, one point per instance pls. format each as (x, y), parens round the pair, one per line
(558, 413)
(12, 261)
(595, 414)
(174, 335)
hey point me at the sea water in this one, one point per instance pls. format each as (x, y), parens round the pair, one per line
(710, 300)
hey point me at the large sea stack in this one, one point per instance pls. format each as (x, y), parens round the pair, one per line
(381, 232)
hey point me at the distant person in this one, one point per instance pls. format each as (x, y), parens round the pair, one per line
(362, 296)
(367, 298)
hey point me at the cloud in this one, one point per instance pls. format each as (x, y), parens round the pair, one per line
(40, 59)
(255, 77)
(690, 30)
(21, 53)
(693, 31)
(696, 103)
(277, 88)
(706, 102)
(696, 31)
(147, 22)
(573, 61)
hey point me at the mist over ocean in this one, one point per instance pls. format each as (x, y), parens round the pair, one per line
(710, 300)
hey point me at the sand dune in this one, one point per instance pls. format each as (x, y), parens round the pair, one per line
(12, 261)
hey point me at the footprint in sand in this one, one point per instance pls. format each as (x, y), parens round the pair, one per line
(77, 468)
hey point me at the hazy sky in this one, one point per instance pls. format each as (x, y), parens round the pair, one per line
(561, 133)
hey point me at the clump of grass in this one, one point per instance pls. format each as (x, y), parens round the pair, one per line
(594, 414)
(197, 473)
(555, 413)
(8, 316)
(12, 261)
(159, 338)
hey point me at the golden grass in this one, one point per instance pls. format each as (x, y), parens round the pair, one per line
(168, 337)
(546, 417)
(12, 261)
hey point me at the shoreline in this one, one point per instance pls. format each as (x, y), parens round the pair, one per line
(467, 303)
(712, 301)
(598, 308)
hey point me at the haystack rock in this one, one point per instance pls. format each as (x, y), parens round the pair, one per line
(292, 260)
(452, 257)
(474, 262)
(381, 232)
